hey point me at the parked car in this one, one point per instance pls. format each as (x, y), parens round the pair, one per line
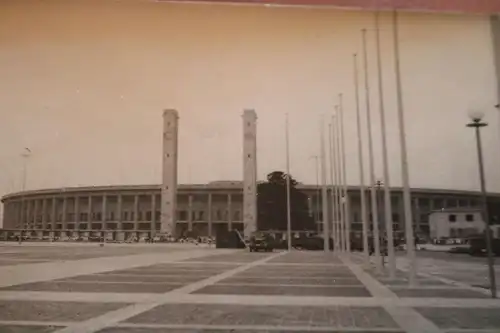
(260, 242)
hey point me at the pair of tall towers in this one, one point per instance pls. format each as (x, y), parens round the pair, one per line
(169, 171)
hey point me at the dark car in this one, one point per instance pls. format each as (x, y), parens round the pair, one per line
(477, 246)
(261, 243)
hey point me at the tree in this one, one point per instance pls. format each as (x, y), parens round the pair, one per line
(272, 208)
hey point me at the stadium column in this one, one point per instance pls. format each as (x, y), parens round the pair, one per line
(136, 212)
(249, 172)
(44, 213)
(64, 213)
(35, 213)
(495, 33)
(76, 218)
(209, 213)
(190, 212)
(53, 217)
(169, 170)
(104, 211)
(153, 214)
(119, 215)
(19, 214)
(229, 212)
(89, 213)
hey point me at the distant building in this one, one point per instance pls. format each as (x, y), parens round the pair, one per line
(455, 223)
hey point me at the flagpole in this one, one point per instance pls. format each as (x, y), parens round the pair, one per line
(410, 246)
(332, 195)
(364, 213)
(288, 208)
(336, 189)
(387, 191)
(374, 208)
(347, 219)
(326, 234)
(339, 181)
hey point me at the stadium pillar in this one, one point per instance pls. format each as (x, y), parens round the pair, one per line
(169, 184)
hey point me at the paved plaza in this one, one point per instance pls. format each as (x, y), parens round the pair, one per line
(159, 288)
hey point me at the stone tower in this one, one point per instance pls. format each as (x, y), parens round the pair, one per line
(169, 171)
(249, 171)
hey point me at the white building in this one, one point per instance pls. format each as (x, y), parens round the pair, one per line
(455, 223)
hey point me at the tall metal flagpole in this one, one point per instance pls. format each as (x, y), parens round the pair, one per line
(362, 190)
(288, 208)
(374, 210)
(347, 219)
(332, 195)
(336, 189)
(336, 182)
(326, 233)
(387, 191)
(339, 180)
(410, 245)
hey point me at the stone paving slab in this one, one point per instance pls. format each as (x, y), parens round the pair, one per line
(421, 282)
(239, 257)
(93, 287)
(27, 329)
(177, 271)
(441, 293)
(298, 274)
(133, 278)
(298, 269)
(285, 290)
(230, 314)
(293, 280)
(307, 256)
(53, 311)
(472, 318)
(138, 271)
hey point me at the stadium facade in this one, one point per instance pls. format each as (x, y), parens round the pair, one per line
(125, 211)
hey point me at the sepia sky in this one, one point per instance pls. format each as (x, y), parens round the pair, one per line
(83, 85)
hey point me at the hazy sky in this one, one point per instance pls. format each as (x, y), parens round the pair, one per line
(83, 85)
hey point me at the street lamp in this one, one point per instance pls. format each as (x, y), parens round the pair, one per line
(477, 123)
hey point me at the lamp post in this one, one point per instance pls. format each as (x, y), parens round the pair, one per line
(477, 123)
